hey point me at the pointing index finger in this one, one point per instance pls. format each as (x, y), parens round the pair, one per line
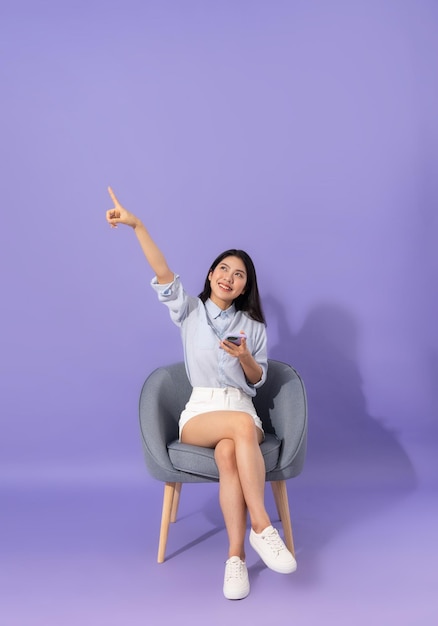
(113, 196)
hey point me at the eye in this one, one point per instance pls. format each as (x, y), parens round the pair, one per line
(239, 274)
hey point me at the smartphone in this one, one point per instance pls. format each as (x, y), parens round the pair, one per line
(236, 339)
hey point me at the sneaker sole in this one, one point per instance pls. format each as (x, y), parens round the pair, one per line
(236, 596)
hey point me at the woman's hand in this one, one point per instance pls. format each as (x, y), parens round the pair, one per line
(119, 215)
(253, 371)
(238, 351)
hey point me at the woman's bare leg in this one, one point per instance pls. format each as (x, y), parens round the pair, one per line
(209, 429)
(231, 497)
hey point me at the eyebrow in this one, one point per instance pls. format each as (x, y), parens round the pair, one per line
(229, 267)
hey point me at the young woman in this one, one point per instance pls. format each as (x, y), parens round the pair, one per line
(225, 375)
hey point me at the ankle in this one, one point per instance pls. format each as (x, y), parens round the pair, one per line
(239, 553)
(261, 526)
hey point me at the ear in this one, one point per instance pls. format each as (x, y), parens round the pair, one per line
(209, 275)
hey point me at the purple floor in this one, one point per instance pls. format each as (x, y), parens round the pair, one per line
(84, 552)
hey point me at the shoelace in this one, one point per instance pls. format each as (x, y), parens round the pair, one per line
(274, 541)
(234, 569)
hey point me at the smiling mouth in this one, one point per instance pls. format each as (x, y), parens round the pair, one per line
(224, 287)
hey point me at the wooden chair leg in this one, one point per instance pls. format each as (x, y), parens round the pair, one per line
(169, 491)
(175, 502)
(282, 502)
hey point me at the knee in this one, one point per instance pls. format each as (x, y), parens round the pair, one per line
(225, 455)
(245, 427)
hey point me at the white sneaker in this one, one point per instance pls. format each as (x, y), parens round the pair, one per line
(236, 581)
(271, 549)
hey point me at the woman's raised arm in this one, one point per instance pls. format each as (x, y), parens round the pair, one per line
(157, 261)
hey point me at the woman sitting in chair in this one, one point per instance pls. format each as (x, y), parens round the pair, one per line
(224, 339)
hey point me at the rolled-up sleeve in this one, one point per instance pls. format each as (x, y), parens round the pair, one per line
(260, 354)
(174, 297)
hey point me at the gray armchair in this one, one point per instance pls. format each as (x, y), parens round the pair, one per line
(280, 403)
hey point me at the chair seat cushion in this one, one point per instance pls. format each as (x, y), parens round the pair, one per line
(200, 461)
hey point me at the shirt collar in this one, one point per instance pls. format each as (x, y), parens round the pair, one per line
(215, 311)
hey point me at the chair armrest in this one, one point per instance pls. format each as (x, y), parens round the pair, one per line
(284, 405)
(162, 399)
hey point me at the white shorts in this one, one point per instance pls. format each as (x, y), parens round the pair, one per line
(206, 399)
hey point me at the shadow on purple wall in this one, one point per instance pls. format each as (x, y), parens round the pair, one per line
(344, 440)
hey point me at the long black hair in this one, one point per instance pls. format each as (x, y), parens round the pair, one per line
(249, 301)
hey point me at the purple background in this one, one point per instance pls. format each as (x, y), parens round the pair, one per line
(304, 132)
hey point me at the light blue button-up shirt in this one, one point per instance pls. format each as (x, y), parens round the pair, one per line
(202, 327)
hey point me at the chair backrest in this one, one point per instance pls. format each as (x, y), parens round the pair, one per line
(280, 403)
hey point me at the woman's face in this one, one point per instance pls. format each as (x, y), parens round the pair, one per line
(227, 281)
